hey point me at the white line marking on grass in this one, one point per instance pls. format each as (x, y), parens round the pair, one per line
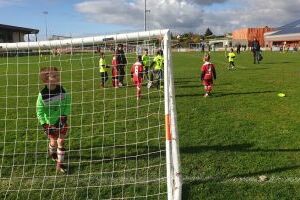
(270, 179)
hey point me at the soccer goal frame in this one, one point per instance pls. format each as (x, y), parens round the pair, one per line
(173, 168)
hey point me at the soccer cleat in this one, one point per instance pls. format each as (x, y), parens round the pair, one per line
(206, 95)
(61, 168)
(53, 156)
(149, 84)
(52, 153)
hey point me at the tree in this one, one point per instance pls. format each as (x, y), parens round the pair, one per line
(208, 33)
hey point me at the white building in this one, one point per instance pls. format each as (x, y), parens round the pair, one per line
(288, 35)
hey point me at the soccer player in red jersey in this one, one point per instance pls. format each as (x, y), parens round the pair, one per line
(114, 72)
(137, 72)
(208, 74)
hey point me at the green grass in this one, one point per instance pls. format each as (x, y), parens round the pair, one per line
(116, 146)
(243, 131)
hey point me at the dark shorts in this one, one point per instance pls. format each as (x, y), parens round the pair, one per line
(59, 131)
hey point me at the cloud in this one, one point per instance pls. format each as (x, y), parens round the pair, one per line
(4, 3)
(205, 2)
(254, 13)
(163, 13)
(191, 15)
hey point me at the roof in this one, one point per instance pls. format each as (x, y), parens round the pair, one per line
(291, 28)
(20, 29)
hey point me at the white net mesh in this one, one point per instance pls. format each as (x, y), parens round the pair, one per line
(115, 147)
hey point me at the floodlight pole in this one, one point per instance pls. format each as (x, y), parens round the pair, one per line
(145, 16)
(46, 25)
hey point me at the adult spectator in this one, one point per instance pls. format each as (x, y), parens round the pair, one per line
(122, 61)
(256, 50)
(238, 48)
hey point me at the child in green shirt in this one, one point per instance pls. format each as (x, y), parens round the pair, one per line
(52, 108)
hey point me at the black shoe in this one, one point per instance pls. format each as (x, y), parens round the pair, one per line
(53, 156)
(61, 168)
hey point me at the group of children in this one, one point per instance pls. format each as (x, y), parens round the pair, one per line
(54, 103)
(143, 68)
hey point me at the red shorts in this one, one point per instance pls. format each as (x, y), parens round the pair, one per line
(207, 82)
(59, 131)
(138, 83)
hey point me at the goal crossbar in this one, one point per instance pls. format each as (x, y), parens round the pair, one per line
(84, 40)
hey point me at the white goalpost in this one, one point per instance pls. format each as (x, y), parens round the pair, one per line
(116, 144)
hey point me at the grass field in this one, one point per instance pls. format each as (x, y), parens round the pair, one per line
(116, 146)
(243, 131)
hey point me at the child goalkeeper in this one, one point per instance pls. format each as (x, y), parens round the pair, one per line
(208, 74)
(53, 107)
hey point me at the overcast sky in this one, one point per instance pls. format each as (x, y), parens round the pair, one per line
(88, 17)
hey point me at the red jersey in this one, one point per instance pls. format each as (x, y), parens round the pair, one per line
(208, 71)
(114, 68)
(137, 70)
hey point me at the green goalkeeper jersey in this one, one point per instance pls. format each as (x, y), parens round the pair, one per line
(51, 104)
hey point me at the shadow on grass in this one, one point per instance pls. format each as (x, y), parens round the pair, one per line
(190, 81)
(217, 95)
(240, 93)
(115, 155)
(186, 188)
(189, 86)
(204, 148)
(272, 63)
(198, 85)
(185, 78)
(253, 68)
(246, 147)
(199, 94)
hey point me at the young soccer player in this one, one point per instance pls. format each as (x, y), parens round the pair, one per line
(114, 72)
(146, 63)
(53, 107)
(158, 63)
(137, 71)
(231, 57)
(208, 74)
(103, 69)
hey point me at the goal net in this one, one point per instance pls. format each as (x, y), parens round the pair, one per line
(119, 143)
